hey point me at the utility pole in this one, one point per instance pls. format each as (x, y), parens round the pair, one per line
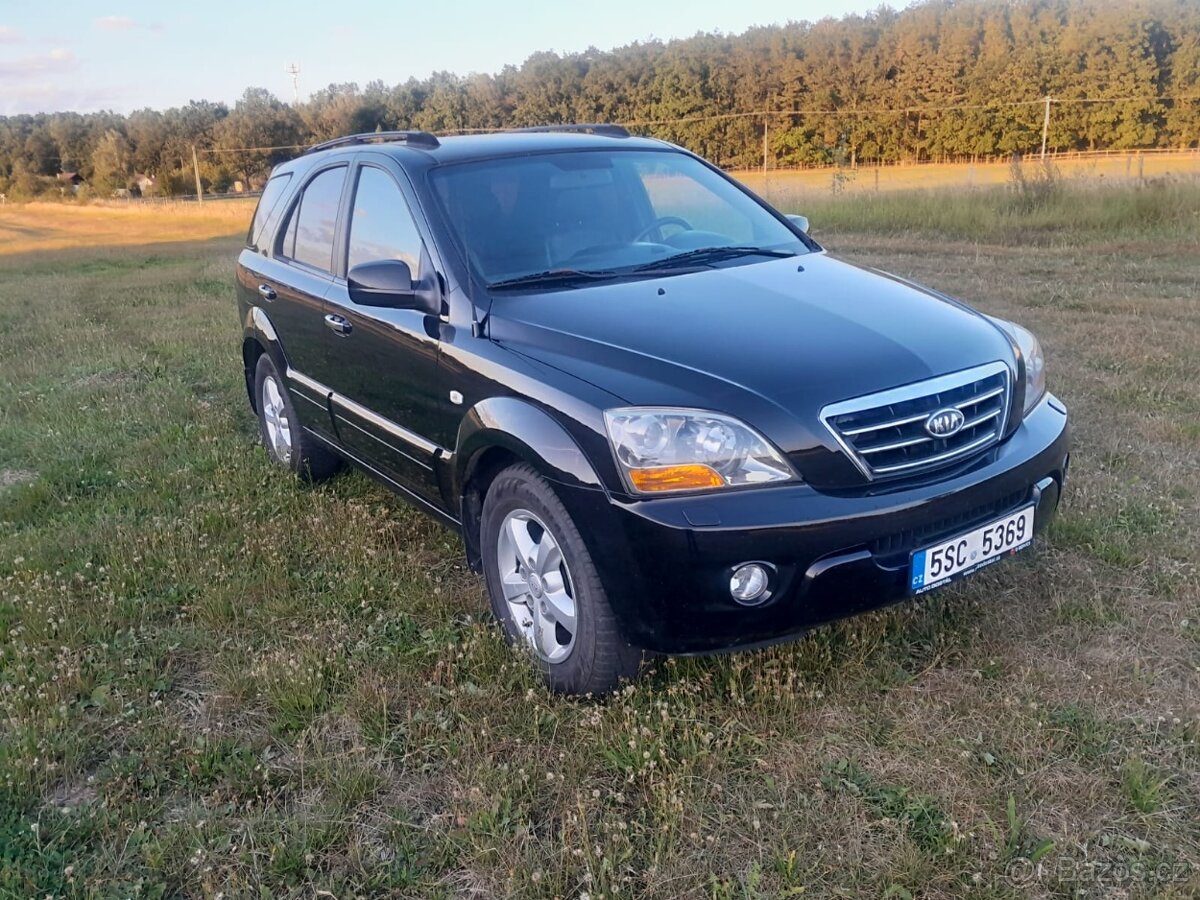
(294, 70)
(1046, 125)
(766, 119)
(196, 172)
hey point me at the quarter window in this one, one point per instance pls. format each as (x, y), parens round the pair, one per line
(266, 211)
(310, 233)
(381, 226)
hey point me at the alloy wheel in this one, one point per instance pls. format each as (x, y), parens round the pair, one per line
(537, 585)
(275, 416)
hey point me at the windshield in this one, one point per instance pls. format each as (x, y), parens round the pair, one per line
(602, 213)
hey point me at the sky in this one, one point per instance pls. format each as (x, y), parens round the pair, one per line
(87, 55)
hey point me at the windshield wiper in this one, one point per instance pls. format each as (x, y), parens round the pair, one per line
(551, 276)
(703, 255)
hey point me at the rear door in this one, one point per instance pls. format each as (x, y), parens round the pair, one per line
(382, 363)
(298, 275)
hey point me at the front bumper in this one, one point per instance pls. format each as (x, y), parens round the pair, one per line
(666, 563)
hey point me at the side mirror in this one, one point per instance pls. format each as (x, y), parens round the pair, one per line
(800, 222)
(387, 282)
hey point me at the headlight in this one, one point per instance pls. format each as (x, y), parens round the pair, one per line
(661, 450)
(1035, 362)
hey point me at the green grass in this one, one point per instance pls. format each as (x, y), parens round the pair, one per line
(213, 679)
(1060, 212)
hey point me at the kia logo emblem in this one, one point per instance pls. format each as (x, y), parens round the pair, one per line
(945, 423)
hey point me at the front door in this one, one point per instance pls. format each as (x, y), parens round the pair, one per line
(382, 363)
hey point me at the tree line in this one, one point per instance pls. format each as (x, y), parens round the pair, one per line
(940, 79)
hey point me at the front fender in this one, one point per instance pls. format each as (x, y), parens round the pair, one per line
(526, 431)
(517, 428)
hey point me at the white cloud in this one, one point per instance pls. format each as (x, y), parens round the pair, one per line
(41, 96)
(115, 23)
(10, 35)
(57, 61)
(43, 82)
(124, 23)
(51, 81)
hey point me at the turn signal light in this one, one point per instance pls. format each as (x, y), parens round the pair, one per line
(675, 478)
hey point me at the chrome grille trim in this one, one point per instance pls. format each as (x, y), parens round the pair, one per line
(941, 457)
(979, 420)
(895, 423)
(897, 445)
(880, 434)
(974, 401)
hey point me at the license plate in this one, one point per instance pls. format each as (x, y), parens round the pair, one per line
(960, 556)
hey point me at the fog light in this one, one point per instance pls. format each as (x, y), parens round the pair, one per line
(749, 583)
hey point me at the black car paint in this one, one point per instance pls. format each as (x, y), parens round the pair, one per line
(769, 341)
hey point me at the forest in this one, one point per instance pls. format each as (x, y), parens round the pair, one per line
(943, 79)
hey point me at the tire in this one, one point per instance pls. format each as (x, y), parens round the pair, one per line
(279, 426)
(587, 654)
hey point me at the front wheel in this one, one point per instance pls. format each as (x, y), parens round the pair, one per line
(544, 587)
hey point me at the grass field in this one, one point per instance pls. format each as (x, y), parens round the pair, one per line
(1116, 168)
(216, 681)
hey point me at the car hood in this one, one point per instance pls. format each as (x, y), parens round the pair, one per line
(771, 342)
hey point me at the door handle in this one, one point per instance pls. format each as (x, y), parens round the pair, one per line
(266, 291)
(338, 324)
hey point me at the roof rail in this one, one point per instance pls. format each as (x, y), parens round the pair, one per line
(617, 131)
(415, 138)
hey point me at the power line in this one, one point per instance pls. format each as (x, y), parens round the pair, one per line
(251, 149)
(886, 110)
(1124, 99)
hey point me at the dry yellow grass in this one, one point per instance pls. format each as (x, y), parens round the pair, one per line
(1114, 168)
(57, 226)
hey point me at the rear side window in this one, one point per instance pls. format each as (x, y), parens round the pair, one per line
(268, 209)
(310, 232)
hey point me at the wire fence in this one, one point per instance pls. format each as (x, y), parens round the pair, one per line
(1052, 156)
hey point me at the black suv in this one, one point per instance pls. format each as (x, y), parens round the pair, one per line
(661, 417)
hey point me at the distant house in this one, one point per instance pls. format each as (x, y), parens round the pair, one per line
(70, 179)
(146, 184)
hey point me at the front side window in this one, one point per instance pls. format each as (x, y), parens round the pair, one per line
(311, 230)
(381, 226)
(610, 212)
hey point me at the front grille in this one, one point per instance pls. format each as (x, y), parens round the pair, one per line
(930, 532)
(885, 434)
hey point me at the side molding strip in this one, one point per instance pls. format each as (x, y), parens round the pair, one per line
(385, 425)
(315, 386)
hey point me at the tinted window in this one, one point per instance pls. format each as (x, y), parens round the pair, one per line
(314, 220)
(382, 226)
(287, 246)
(598, 210)
(706, 203)
(267, 210)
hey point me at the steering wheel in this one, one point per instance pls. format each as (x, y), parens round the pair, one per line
(659, 223)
